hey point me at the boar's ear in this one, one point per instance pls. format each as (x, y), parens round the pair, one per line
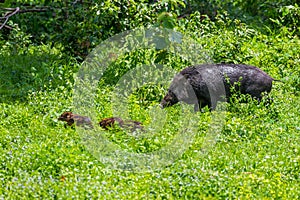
(180, 87)
(182, 79)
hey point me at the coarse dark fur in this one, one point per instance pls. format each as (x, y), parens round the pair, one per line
(205, 85)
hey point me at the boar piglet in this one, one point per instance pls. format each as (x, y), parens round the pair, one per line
(108, 123)
(205, 85)
(79, 120)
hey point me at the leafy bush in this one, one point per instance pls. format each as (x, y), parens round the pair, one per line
(28, 68)
(81, 26)
(289, 17)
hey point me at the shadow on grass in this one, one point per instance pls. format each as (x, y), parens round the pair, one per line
(22, 74)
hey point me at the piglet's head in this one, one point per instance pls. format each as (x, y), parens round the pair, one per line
(67, 117)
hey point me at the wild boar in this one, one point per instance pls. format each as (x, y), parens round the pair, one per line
(205, 85)
(79, 120)
(131, 125)
(106, 123)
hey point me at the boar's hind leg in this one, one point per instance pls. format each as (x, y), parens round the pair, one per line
(257, 90)
(259, 96)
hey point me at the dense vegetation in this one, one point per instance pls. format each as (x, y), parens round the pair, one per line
(254, 155)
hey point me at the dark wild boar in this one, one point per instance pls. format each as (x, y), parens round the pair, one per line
(205, 85)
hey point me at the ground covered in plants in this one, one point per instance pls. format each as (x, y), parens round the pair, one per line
(256, 153)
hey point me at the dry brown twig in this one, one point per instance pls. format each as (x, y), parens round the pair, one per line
(8, 15)
(13, 11)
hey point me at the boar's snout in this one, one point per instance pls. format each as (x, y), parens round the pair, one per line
(163, 104)
(169, 100)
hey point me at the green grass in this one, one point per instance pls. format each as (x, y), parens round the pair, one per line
(255, 156)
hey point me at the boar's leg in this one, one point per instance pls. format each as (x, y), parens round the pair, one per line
(201, 104)
(197, 107)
